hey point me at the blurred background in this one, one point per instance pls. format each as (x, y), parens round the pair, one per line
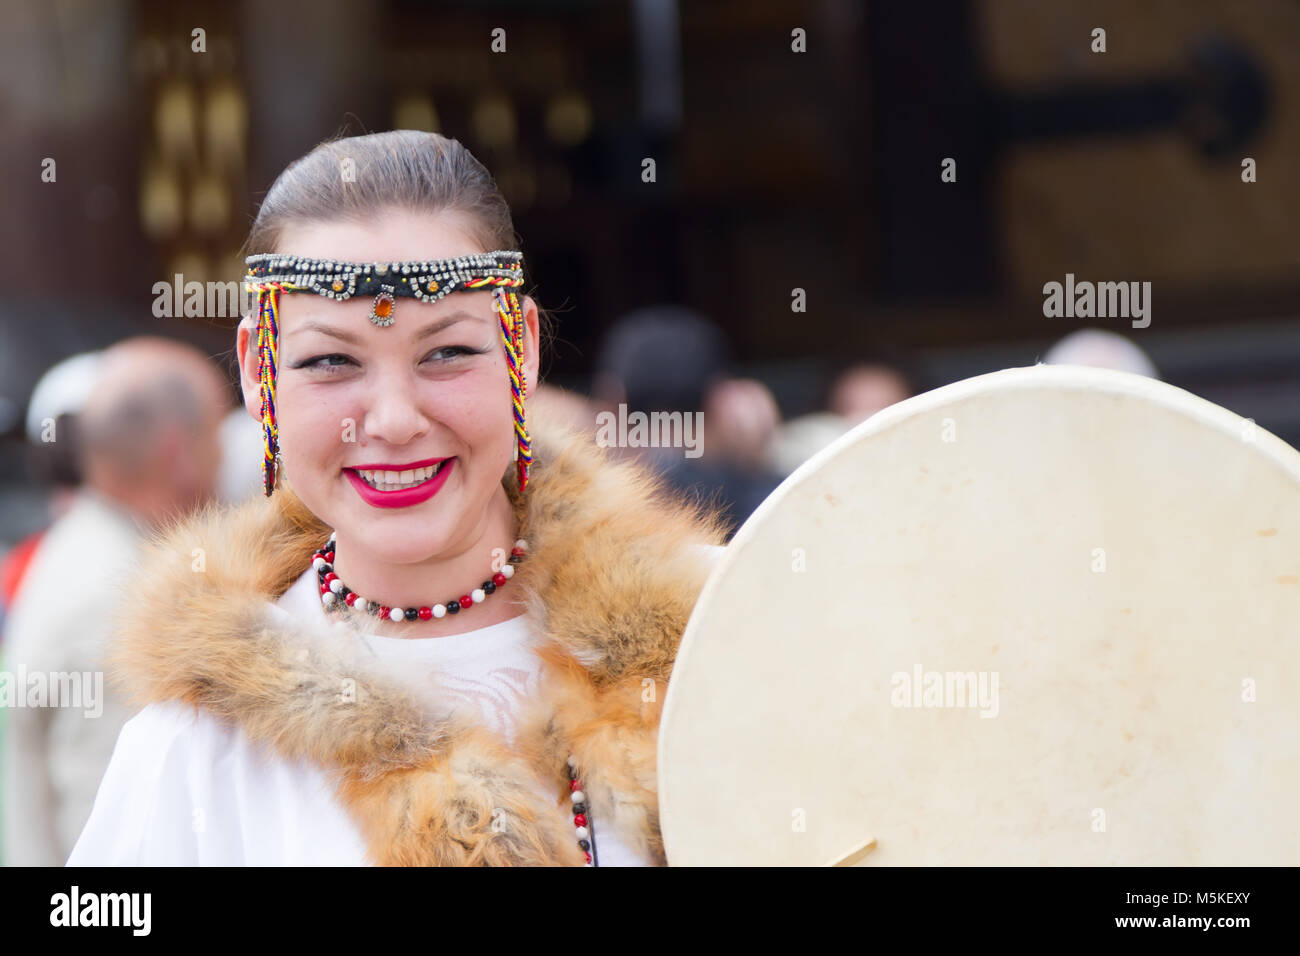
(797, 263)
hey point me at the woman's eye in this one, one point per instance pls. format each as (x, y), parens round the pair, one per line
(451, 352)
(317, 362)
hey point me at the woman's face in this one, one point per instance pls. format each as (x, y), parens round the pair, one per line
(433, 385)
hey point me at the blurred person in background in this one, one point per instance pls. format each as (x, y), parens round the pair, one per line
(52, 411)
(149, 451)
(667, 359)
(858, 388)
(741, 420)
(1101, 348)
(861, 391)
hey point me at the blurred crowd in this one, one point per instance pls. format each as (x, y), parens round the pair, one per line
(126, 439)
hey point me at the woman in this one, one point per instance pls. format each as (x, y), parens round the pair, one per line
(485, 688)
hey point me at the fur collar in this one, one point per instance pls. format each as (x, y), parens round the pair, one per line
(610, 582)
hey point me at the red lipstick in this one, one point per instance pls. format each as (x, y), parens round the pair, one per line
(407, 496)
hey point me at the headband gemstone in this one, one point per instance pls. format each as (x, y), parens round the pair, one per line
(427, 281)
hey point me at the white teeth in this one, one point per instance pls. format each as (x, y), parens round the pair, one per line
(397, 480)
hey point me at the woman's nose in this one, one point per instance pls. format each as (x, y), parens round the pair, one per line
(393, 413)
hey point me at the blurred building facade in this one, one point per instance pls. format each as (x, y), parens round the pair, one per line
(796, 197)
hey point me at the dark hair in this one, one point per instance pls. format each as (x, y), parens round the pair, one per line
(353, 177)
(665, 356)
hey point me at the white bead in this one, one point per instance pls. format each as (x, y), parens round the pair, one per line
(359, 604)
(316, 562)
(577, 796)
(478, 595)
(396, 614)
(580, 833)
(328, 598)
(440, 610)
(336, 586)
(573, 761)
(508, 571)
(521, 543)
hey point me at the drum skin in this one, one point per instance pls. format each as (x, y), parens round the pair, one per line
(1045, 616)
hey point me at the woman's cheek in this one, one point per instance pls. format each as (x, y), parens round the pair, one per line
(323, 419)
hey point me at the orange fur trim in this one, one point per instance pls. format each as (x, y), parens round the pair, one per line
(609, 584)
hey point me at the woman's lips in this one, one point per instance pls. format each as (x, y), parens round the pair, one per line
(407, 496)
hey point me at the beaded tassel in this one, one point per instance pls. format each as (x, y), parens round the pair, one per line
(512, 338)
(268, 361)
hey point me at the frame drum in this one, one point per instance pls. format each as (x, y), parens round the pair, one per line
(1049, 615)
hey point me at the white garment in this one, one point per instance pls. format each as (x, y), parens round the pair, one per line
(185, 789)
(54, 756)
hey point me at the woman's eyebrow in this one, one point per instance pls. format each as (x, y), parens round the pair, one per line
(433, 328)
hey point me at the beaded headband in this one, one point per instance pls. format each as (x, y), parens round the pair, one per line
(270, 274)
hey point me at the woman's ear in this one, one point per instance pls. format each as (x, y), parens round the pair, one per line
(246, 347)
(532, 344)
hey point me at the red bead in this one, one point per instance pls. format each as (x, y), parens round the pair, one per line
(517, 552)
(330, 577)
(498, 579)
(587, 855)
(329, 556)
(466, 601)
(426, 613)
(575, 785)
(580, 820)
(351, 598)
(383, 611)
(324, 588)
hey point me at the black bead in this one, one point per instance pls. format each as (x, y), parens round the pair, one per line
(412, 613)
(488, 587)
(515, 559)
(344, 593)
(579, 808)
(584, 844)
(453, 607)
(325, 569)
(573, 773)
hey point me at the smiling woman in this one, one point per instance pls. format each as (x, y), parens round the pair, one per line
(434, 384)
(489, 690)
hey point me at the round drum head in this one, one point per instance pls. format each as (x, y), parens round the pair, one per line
(1049, 615)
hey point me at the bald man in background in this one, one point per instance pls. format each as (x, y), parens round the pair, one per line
(150, 450)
